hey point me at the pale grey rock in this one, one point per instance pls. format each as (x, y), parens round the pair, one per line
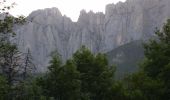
(134, 20)
(47, 30)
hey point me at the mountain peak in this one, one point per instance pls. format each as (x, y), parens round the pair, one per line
(46, 16)
(46, 12)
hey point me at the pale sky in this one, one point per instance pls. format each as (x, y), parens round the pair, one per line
(70, 8)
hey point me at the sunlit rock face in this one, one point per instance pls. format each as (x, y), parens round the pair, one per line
(47, 30)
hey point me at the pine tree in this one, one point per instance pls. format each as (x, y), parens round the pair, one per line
(157, 53)
(95, 74)
(62, 81)
(152, 82)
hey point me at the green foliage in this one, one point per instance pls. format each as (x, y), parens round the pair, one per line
(11, 63)
(152, 82)
(62, 82)
(85, 77)
(28, 91)
(4, 88)
(95, 74)
(157, 53)
(140, 86)
(10, 57)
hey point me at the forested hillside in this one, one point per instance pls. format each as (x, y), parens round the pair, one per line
(127, 58)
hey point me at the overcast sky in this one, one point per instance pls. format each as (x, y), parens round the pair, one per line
(70, 8)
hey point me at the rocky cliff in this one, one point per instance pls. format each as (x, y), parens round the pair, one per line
(47, 30)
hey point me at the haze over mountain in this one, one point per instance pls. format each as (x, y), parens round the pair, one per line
(47, 30)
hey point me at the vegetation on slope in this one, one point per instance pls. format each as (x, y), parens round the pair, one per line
(126, 58)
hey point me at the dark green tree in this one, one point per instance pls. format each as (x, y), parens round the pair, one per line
(95, 74)
(140, 86)
(4, 88)
(62, 81)
(152, 82)
(29, 90)
(28, 67)
(11, 59)
(157, 53)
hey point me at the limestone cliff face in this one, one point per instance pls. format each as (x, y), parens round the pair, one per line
(134, 19)
(47, 30)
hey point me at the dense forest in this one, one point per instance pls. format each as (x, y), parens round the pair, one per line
(85, 76)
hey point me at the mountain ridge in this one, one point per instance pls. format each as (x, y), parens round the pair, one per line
(47, 30)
